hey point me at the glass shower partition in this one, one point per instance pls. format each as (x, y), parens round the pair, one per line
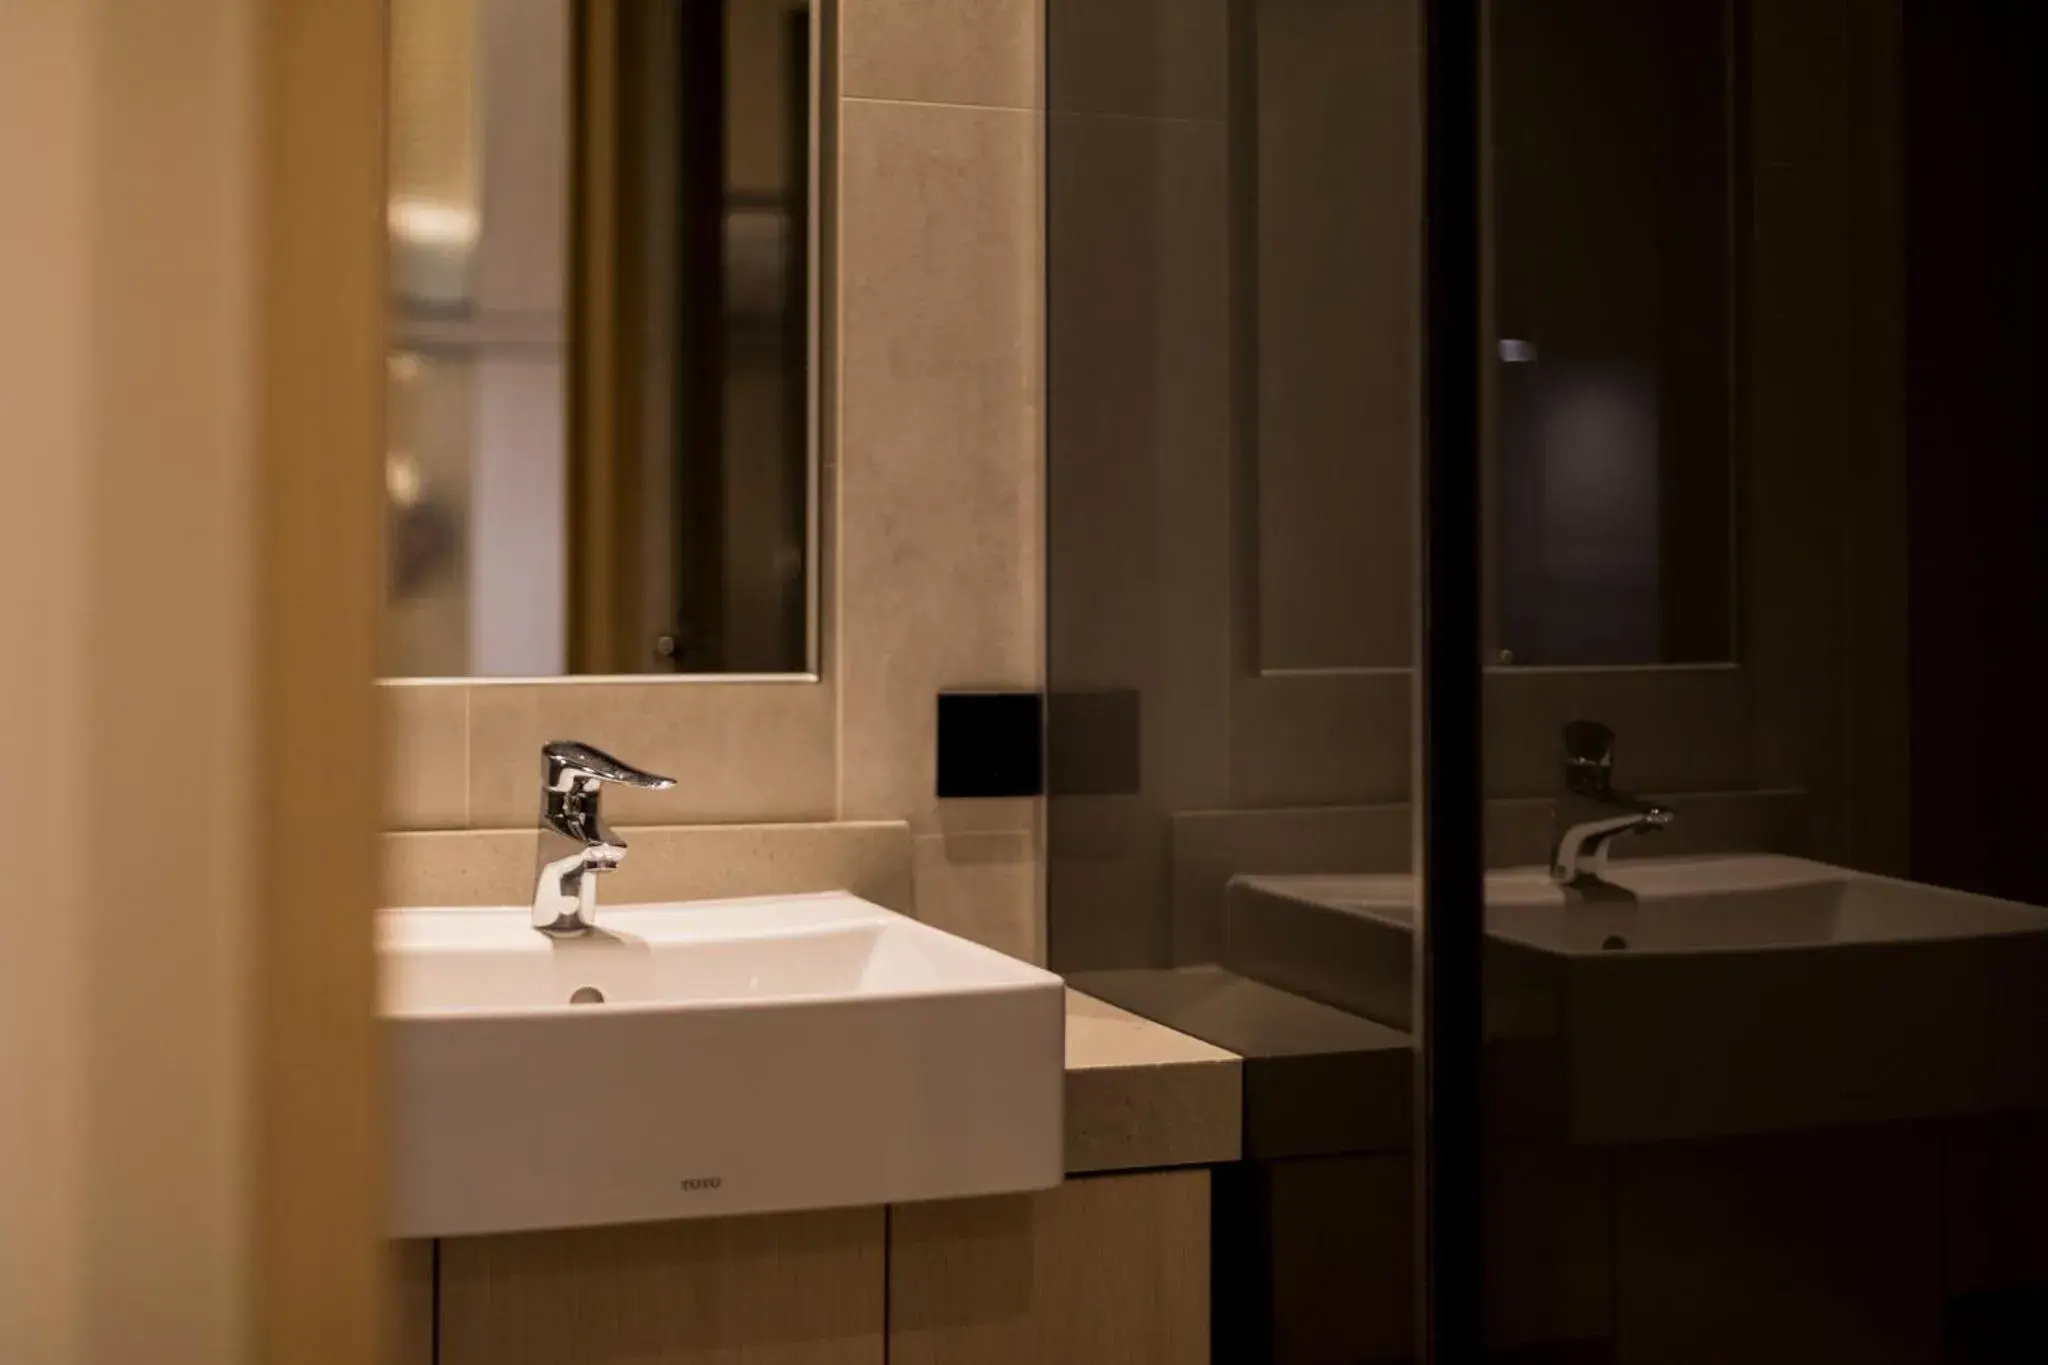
(1236, 305)
(1674, 365)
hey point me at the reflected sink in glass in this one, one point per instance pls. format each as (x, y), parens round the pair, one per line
(1736, 994)
(1696, 904)
(709, 1058)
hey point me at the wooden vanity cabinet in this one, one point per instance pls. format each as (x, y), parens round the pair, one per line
(1100, 1270)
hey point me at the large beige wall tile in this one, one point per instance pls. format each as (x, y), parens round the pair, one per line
(426, 755)
(871, 859)
(495, 867)
(739, 751)
(940, 448)
(460, 867)
(983, 887)
(942, 51)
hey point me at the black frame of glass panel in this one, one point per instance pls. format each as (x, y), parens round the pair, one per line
(1450, 854)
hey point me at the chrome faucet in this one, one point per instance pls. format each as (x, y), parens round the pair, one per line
(565, 883)
(1590, 814)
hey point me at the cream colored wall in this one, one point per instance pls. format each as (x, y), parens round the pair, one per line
(165, 357)
(124, 1165)
(932, 508)
(45, 71)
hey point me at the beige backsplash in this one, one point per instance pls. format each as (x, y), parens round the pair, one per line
(979, 885)
(665, 862)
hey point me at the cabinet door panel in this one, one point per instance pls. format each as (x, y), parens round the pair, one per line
(1097, 1272)
(787, 1289)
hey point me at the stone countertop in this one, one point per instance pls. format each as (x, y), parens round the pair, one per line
(1316, 1081)
(1141, 1095)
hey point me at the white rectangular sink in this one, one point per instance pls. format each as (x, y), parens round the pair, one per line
(709, 1058)
(1735, 994)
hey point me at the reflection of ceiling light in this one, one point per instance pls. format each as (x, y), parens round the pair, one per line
(402, 478)
(402, 366)
(431, 222)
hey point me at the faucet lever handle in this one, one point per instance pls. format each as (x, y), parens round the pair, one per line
(571, 765)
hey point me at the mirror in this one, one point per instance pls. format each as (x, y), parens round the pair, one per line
(603, 355)
(1615, 237)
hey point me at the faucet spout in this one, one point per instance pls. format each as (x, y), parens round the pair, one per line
(575, 842)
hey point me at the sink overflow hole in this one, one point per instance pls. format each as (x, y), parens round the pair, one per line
(586, 995)
(1613, 943)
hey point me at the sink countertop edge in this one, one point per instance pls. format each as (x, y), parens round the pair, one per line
(1140, 1095)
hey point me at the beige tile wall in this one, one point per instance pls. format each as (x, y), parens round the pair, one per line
(941, 436)
(870, 858)
(933, 542)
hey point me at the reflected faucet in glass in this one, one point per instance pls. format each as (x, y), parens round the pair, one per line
(1590, 814)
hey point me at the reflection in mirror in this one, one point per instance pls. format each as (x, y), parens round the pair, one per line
(1613, 199)
(601, 424)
